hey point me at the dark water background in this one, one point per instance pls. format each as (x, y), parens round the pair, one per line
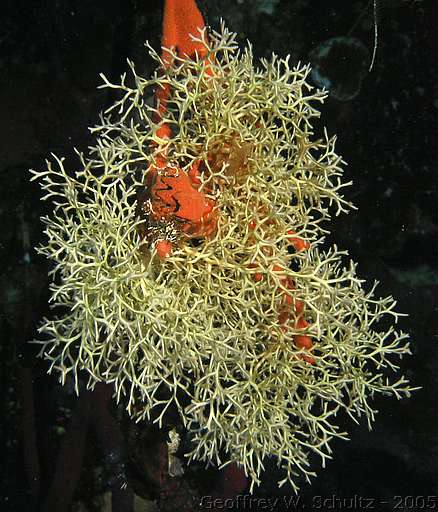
(50, 58)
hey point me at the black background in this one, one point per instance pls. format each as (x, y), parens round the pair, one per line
(51, 54)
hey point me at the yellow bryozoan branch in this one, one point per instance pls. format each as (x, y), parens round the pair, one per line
(255, 331)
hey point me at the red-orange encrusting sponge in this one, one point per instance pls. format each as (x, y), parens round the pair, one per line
(163, 248)
(182, 20)
(293, 308)
(172, 195)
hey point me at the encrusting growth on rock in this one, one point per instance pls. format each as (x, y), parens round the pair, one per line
(190, 269)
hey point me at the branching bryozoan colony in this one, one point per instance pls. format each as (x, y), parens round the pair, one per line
(189, 270)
